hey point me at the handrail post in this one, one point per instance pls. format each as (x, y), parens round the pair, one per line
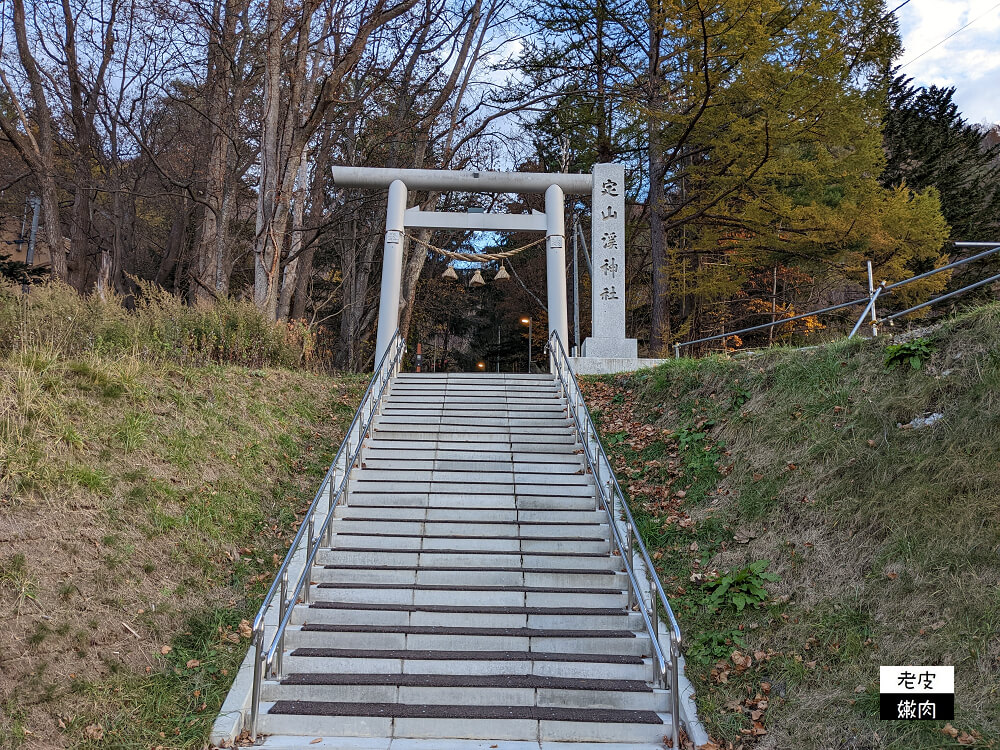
(675, 697)
(631, 564)
(258, 666)
(307, 571)
(282, 610)
(330, 508)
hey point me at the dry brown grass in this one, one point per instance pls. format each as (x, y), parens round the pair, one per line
(140, 494)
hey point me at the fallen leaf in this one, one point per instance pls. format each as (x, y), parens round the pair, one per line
(742, 661)
(859, 689)
(949, 730)
(681, 494)
(693, 547)
(871, 443)
(192, 663)
(966, 739)
(166, 649)
(318, 739)
(95, 731)
(892, 576)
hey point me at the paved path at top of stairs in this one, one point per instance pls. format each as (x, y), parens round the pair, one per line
(469, 598)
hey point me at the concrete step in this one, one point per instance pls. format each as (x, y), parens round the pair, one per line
(437, 528)
(475, 441)
(510, 596)
(563, 578)
(371, 661)
(469, 515)
(284, 742)
(513, 690)
(444, 500)
(484, 395)
(457, 543)
(474, 423)
(379, 462)
(548, 409)
(472, 478)
(466, 559)
(469, 722)
(355, 613)
(443, 638)
(568, 486)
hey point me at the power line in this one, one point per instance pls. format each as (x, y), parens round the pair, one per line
(929, 49)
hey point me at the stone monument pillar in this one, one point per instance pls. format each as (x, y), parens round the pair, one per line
(608, 258)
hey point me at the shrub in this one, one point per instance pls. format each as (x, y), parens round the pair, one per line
(915, 352)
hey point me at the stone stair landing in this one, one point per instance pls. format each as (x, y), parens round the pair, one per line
(469, 597)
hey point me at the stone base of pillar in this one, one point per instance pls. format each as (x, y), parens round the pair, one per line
(615, 348)
(611, 365)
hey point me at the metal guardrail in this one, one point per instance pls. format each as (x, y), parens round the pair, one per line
(268, 660)
(870, 299)
(612, 499)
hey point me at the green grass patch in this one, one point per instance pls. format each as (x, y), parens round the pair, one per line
(882, 537)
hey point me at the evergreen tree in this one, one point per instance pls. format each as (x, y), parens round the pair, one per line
(928, 143)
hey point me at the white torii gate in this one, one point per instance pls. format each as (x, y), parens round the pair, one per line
(606, 185)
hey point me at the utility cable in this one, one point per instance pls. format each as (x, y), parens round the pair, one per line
(963, 28)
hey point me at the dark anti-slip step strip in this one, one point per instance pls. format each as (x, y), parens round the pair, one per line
(473, 537)
(428, 655)
(444, 587)
(537, 682)
(404, 711)
(441, 630)
(355, 504)
(454, 569)
(460, 520)
(519, 553)
(484, 610)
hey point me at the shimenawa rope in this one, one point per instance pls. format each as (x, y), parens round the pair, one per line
(475, 257)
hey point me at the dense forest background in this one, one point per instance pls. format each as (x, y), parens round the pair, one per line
(772, 148)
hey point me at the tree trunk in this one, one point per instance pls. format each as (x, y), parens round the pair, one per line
(659, 335)
(289, 280)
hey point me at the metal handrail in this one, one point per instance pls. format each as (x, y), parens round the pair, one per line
(608, 490)
(265, 660)
(994, 247)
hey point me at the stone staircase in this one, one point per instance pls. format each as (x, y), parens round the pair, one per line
(470, 591)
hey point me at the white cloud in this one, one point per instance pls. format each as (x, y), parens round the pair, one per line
(970, 60)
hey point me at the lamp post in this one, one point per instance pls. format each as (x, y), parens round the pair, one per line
(527, 322)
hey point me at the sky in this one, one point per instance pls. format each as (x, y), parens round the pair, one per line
(970, 60)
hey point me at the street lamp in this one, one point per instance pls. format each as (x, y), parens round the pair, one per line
(527, 322)
(481, 365)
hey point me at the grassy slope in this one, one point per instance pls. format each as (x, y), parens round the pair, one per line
(886, 540)
(144, 493)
